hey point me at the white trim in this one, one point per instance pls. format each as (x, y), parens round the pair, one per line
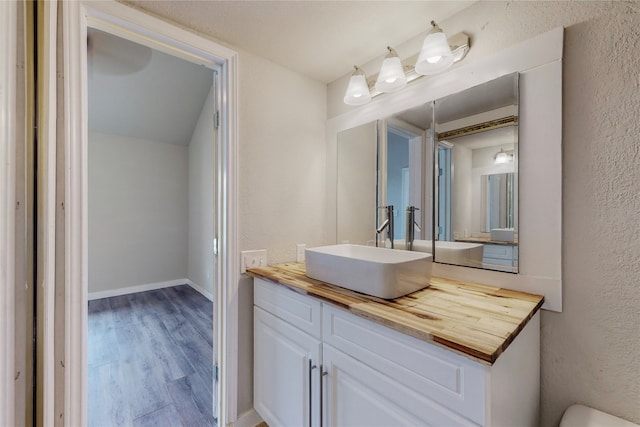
(47, 211)
(8, 45)
(248, 419)
(137, 26)
(541, 250)
(76, 260)
(137, 288)
(202, 291)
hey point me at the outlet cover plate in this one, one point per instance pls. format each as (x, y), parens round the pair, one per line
(252, 259)
(300, 247)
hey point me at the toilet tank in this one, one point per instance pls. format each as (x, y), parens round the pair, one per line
(583, 416)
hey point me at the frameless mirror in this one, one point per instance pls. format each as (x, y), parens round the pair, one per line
(387, 170)
(476, 175)
(382, 169)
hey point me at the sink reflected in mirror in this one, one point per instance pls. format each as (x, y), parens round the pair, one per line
(476, 174)
(379, 272)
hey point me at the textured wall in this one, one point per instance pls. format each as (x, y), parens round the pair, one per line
(590, 350)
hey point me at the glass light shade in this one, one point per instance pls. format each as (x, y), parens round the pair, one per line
(357, 91)
(501, 158)
(391, 76)
(435, 56)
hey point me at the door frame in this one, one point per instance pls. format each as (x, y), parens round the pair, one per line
(139, 27)
(8, 47)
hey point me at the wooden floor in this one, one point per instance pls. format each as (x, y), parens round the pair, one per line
(150, 359)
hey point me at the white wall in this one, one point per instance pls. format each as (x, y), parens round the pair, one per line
(282, 179)
(137, 212)
(201, 219)
(589, 352)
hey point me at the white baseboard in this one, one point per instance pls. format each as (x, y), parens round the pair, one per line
(149, 287)
(204, 292)
(138, 288)
(248, 419)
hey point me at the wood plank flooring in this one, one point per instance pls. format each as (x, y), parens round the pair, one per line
(150, 359)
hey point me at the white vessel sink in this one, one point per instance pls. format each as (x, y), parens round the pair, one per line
(380, 272)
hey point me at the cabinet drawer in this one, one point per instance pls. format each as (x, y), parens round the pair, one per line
(498, 251)
(442, 376)
(359, 395)
(301, 311)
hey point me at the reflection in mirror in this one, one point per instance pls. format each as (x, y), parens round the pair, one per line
(476, 175)
(497, 198)
(356, 185)
(379, 165)
(403, 154)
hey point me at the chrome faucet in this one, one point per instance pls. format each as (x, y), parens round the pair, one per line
(411, 226)
(388, 223)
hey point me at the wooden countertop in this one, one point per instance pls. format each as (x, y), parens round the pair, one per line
(476, 320)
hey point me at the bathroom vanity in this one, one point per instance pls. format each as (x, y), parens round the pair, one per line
(452, 354)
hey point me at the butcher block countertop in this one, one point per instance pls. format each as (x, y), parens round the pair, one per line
(476, 320)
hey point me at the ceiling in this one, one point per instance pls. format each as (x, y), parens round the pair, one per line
(143, 93)
(319, 39)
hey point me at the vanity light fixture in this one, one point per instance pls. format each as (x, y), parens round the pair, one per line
(438, 53)
(358, 89)
(502, 157)
(435, 55)
(391, 76)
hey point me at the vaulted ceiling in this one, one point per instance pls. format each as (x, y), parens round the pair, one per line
(143, 93)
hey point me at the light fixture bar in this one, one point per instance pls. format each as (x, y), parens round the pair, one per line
(459, 44)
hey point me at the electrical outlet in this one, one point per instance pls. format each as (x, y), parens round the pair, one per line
(252, 259)
(300, 247)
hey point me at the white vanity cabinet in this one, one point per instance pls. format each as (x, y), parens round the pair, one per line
(375, 376)
(500, 255)
(287, 354)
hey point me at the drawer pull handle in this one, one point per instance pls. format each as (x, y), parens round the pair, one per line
(311, 368)
(323, 373)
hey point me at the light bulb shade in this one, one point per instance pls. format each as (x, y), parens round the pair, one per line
(357, 91)
(435, 56)
(391, 76)
(501, 158)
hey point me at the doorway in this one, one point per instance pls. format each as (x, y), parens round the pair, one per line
(136, 26)
(151, 138)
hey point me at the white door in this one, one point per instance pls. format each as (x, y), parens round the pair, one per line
(357, 395)
(286, 366)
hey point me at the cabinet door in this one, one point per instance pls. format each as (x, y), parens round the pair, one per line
(357, 395)
(286, 387)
